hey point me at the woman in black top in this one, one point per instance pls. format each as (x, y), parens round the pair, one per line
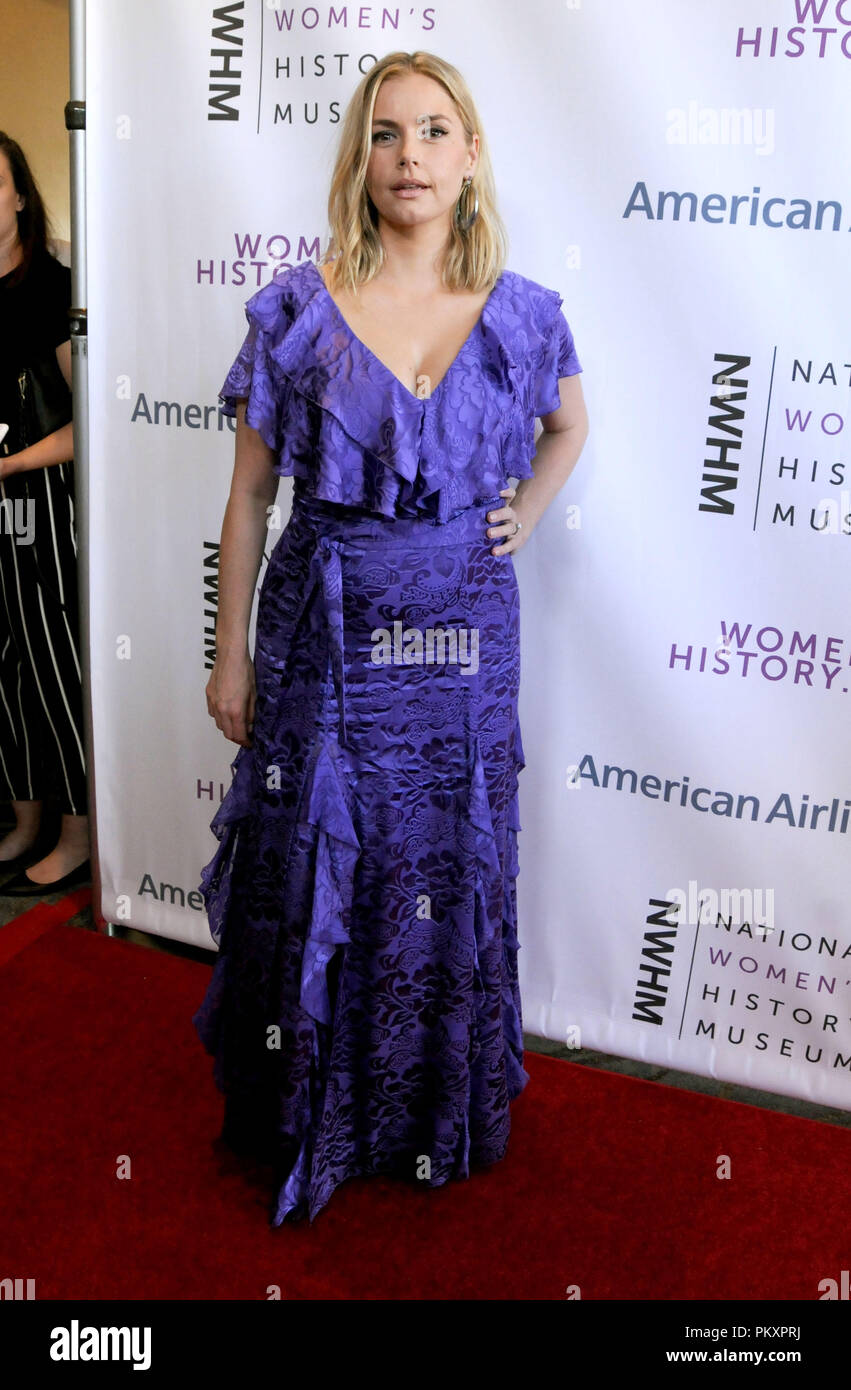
(41, 725)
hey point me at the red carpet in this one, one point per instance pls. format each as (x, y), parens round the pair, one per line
(22, 930)
(608, 1183)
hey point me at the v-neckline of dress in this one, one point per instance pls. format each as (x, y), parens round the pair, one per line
(421, 400)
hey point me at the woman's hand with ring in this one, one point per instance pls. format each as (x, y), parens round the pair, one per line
(511, 527)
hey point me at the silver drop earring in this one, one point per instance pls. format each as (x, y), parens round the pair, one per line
(466, 220)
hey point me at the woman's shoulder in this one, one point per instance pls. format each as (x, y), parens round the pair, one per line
(50, 273)
(54, 266)
(539, 300)
(275, 306)
(529, 317)
(35, 309)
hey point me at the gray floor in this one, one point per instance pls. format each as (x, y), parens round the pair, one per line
(726, 1090)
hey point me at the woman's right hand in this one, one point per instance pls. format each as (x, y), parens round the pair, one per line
(231, 693)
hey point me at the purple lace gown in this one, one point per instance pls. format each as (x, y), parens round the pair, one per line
(364, 1011)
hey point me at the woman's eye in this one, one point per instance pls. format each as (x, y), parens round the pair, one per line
(434, 130)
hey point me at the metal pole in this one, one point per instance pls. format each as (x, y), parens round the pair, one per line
(75, 123)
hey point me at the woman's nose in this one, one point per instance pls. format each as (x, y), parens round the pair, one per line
(410, 147)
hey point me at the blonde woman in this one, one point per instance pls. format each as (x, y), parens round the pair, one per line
(364, 1010)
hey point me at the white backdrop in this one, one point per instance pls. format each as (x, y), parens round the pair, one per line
(713, 337)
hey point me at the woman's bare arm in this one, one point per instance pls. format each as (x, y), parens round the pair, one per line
(253, 489)
(254, 486)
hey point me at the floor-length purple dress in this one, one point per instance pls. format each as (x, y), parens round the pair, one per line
(364, 1011)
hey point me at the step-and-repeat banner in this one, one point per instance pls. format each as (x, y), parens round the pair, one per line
(679, 173)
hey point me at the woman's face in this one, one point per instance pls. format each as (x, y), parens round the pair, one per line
(417, 136)
(10, 201)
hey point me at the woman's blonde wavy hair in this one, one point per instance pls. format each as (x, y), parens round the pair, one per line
(475, 258)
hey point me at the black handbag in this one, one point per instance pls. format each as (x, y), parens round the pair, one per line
(44, 403)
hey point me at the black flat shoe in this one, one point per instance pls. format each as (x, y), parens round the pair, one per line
(23, 887)
(26, 857)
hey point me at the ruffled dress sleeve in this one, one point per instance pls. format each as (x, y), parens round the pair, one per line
(557, 359)
(253, 376)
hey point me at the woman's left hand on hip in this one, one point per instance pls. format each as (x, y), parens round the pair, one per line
(507, 523)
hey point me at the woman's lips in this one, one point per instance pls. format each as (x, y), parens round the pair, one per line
(408, 192)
